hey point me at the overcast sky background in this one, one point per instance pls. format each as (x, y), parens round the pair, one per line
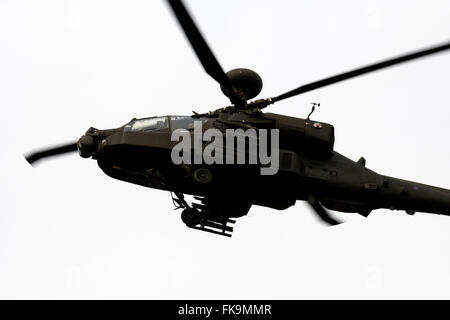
(69, 231)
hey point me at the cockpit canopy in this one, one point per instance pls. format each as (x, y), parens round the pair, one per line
(158, 123)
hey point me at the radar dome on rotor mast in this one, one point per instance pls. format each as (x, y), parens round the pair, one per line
(247, 82)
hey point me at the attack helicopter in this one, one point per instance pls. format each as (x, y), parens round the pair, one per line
(308, 167)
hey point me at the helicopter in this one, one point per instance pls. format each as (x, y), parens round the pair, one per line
(307, 166)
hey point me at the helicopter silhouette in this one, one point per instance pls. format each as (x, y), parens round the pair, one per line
(308, 167)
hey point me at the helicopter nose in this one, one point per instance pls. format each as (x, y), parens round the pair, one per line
(86, 146)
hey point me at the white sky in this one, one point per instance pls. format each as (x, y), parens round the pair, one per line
(69, 231)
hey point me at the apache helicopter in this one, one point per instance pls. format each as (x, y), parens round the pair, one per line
(139, 152)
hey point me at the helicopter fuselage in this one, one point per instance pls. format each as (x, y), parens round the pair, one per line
(308, 166)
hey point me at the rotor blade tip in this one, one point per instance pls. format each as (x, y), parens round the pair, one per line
(30, 159)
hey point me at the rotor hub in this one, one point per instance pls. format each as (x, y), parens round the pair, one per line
(246, 82)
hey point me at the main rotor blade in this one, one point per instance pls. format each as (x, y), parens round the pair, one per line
(201, 48)
(33, 157)
(322, 212)
(363, 70)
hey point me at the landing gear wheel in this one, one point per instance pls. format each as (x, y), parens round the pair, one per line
(190, 217)
(202, 176)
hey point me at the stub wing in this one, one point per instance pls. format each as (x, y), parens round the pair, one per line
(212, 214)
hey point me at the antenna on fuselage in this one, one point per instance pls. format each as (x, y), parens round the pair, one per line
(314, 105)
